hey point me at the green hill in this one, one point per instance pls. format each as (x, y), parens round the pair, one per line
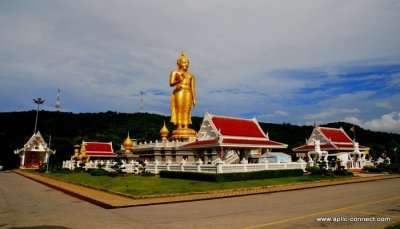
(68, 129)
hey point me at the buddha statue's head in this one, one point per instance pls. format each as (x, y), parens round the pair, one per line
(183, 62)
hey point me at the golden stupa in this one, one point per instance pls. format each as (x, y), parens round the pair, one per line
(128, 143)
(164, 132)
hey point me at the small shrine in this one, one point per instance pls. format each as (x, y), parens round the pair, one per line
(333, 146)
(93, 151)
(35, 152)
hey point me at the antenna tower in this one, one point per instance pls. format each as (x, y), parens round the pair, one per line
(58, 100)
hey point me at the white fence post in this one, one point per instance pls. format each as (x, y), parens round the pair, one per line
(168, 163)
(199, 163)
(182, 165)
(156, 166)
(219, 168)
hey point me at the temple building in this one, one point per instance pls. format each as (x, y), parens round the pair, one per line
(230, 139)
(35, 152)
(93, 151)
(333, 145)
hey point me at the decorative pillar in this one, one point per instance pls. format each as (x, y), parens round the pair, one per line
(46, 158)
(23, 159)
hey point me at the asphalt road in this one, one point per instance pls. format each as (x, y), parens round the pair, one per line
(27, 204)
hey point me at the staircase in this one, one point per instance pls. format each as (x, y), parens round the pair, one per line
(231, 158)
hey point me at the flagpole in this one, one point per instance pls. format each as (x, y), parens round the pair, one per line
(353, 129)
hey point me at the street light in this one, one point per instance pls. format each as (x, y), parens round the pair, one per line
(38, 101)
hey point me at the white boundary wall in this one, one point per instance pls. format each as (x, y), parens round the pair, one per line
(156, 167)
(223, 168)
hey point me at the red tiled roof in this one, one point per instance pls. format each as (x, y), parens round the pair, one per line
(312, 147)
(99, 149)
(202, 143)
(235, 142)
(335, 135)
(328, 147)
(252, 142)
(349, 146)
(237, 127)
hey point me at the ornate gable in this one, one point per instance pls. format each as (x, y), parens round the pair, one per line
(207, 129)
(36, 143)
(317, 135)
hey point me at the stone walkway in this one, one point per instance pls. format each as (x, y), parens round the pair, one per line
(115, 200)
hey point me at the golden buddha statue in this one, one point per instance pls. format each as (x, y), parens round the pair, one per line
(75, 156)
(183, 98)
(83, 156)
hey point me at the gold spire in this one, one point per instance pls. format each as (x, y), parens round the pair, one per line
(164, 132)
(128, 143)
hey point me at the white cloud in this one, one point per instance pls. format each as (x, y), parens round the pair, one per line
(281, 113)
(101, 52)
(353, 120)
(388, 122)
(330, 113)
(384, 104)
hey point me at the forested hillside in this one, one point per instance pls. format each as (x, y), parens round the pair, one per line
(67, 129)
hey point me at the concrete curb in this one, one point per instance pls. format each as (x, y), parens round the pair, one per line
(111, 200)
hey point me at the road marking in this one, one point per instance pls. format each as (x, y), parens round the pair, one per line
(321, 213)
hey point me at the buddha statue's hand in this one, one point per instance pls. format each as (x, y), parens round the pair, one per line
(178, 77)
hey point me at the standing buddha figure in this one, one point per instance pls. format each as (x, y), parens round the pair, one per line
(183, 98)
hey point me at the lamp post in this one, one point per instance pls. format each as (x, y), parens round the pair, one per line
(38, 101)
(48, 155)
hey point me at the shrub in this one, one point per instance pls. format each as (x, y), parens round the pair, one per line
(98, 172)
(147, 174)
(42, 168)
(316, 170)
(342, 172)
(232, 176)
(373, 169)
(394, 168)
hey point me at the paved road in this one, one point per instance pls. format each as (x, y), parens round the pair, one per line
(27, 204)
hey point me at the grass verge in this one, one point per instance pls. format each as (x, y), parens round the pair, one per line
(154, 185)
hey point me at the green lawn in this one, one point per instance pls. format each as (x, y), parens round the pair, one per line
(153, 185)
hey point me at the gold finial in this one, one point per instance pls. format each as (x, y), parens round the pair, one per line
(164, 132)
(128, 143)
(183, 56)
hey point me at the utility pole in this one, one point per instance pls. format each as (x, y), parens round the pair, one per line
(48, 155)
(38, 101)
(58, 100)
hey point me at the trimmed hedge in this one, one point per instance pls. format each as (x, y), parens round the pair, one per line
(392, 168)
(98, 172)
(232, 176)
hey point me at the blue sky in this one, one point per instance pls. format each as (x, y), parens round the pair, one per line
(278, 61)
